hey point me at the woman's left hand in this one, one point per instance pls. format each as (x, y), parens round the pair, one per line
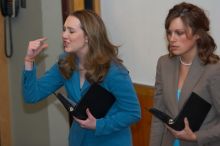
(185, 134)
(89, 123)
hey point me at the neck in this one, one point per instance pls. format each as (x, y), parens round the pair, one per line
(82, 52)
(185, 63)
(81, 66)
(187, 58)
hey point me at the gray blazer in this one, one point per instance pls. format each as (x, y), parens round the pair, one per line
(203, 80)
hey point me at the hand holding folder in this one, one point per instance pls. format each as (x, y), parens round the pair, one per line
(195, 110)
(97, 99)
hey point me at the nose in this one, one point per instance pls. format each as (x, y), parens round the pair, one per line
(64, 35)
(172, 37)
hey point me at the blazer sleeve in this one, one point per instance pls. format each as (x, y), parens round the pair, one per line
(157, 127)
(127, 110)
(35, 89)
(212, 133)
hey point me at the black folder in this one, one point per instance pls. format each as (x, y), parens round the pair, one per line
(195, 109)
(97, 99)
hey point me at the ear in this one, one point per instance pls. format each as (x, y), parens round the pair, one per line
(86, 39)
(196, 36)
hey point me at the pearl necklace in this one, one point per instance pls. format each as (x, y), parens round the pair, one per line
(184, 63)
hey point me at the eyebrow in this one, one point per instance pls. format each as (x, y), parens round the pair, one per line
(177, 29)
(69, 27)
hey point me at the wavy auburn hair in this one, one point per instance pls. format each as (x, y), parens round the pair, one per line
(101, 51)
(195, 18)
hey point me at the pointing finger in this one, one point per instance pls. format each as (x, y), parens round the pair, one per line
(42, 39)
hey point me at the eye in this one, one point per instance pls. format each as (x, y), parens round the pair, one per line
(179, 33)
(168, 32)
(71, 30)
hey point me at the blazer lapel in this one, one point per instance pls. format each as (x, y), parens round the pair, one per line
(175, 86)
(76, 86)
(78, 92)
(171, 79)
(195, 72)
(85, 87)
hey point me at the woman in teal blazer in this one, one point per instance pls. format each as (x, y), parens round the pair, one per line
(89, 58)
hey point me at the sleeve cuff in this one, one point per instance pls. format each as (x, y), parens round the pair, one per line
(99, 126)
(201, 138)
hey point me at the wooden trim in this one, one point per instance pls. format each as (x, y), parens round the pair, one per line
(69, 6)
(77, 5)
(145, 90)
(66, 5)
(5, 121)
(141, 130)
(96, 6)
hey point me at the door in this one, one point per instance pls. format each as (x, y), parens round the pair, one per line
(5, 122)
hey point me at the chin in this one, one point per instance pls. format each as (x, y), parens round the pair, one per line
(177, 53)
(68, 50)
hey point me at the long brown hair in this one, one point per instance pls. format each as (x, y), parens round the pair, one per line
(195, 18)
(101, 51)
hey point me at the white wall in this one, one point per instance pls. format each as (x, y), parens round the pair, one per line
(138, 25)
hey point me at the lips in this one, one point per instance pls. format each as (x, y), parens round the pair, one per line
(65, 43)
(173, 47)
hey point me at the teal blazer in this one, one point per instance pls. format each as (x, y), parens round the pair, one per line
(114, 128)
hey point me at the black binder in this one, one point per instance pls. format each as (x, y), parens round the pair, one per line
(97, 99)
(195, 109)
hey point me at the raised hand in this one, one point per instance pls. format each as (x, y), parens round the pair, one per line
(35, 47)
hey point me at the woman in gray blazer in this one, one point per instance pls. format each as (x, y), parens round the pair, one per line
(190, 66)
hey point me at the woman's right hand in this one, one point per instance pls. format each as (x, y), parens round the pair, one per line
(35, 47)
(185, 134)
